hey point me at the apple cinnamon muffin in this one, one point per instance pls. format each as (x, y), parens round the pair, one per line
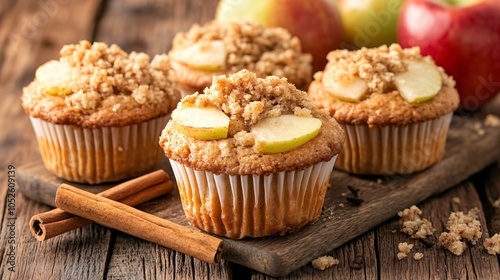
(240, 168)
(97, 111)
(221, 48)
(394, 104)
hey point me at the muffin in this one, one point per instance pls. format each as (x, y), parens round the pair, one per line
(250, 174)
(97, 112)
(394, 104)
(222, 48)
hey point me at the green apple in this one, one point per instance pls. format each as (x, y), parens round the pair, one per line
(420, 83)
(284, 133)
(316, 23)
(55, 77)
(202, 123)
(349, 89)
(369, 23)
(208, 56)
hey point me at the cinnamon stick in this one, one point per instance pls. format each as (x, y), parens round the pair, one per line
(140, 224)
(133, 192)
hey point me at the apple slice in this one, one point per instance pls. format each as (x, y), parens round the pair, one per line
(349, 89)
(55, 77)
(284, 133)
(420, 83)
(202, 123)
(208, 56)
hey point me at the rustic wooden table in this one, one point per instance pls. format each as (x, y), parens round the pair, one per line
(33, 31)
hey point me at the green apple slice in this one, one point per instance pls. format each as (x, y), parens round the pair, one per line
(202, 123)
(208, 56)
(349, 89)
(420, 83)
(55, 77)
(284, 133)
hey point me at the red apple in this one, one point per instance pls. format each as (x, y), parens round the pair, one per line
(462, 36)
(316, 23)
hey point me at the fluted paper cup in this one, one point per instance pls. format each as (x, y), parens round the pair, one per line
(239, 206)
(98, 155)
(393, 149)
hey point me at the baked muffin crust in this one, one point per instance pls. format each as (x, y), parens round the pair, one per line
(382, 104)
(247, 99)
(111, 88)
(265, 51)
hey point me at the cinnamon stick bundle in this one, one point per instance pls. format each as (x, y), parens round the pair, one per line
(133, 192)
(127, 219)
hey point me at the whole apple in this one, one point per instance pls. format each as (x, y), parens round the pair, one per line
(316, 23)
(461, 36)
(369, 23)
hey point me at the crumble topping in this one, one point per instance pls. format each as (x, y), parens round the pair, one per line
(492, 121)
(110, 88)
(246, 100)
(265, 51)
(462, 228)
(418, 256)
(492, 244)
(404, 250)
(413, 225)
(324, 262)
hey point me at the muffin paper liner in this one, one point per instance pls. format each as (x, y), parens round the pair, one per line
(97, 155)
(393, 149)
(237, 206)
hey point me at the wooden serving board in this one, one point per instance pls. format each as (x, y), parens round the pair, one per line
(470, 148)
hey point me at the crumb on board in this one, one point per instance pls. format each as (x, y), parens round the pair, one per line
(492, 121)
(404, 250)
(413, 225)
(456, 200)
(341, 205)
(492, 244)
(462, 228)
(478, 128)
(379, 181)
(418, 256)
(496, 203)
(324, 262)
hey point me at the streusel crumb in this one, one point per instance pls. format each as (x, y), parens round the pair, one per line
(418, 256)
(413, 225)
(493, 244)
(110, 88)
(492, 121)
(404, 250)
(265, 51)
(324, 262)
(462, 228)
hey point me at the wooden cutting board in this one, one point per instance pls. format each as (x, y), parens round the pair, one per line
(470, 147)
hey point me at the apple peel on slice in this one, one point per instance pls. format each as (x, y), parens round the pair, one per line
(420, 83)
(202, 123)
(208, 56)
(56, 77)
(284, 133)
(349, 89)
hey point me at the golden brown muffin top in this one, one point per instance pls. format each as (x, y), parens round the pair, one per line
(382, 104)
(247, 99)
(110, 88)
(265, 51)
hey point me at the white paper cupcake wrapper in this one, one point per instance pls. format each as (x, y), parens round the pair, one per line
(97, 155)
(393, 149)
(239, 206)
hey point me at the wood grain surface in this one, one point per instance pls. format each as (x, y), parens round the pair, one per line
(33, 31)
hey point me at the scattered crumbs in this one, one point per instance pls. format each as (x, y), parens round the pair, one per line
(413, 225)
(496, 203)
(379, 181)
(478, 128)
(418, 256)
(493, 244)
(341, 205)
(462, 228)
(343, 194)
(324, 262)
(492, 121)
(456, 200)
(404, 250)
